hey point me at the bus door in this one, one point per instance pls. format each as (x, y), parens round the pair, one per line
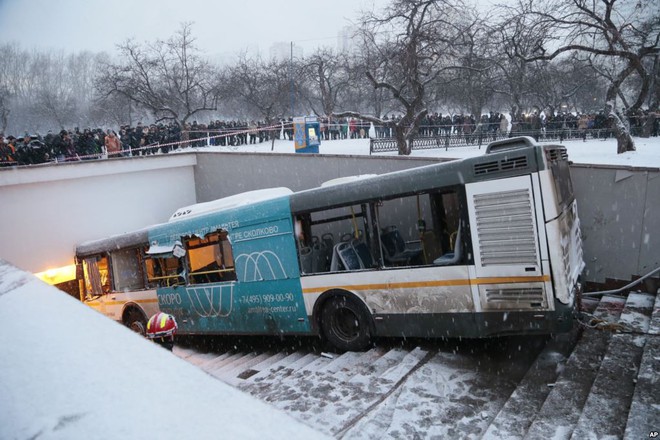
(508, 274)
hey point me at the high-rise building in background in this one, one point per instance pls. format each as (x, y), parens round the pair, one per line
(282, 51)
(347, 39)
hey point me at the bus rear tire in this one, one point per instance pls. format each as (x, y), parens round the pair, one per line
(345, 324)
(136, 322)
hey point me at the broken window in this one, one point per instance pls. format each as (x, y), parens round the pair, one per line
(210, 259)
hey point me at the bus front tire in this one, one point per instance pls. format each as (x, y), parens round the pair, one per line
(345, 324)
(136, 322)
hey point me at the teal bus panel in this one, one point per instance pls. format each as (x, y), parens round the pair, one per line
(267, 296)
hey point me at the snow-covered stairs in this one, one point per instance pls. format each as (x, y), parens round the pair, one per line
(644, 414)
(519, 411)
(561, 409)
(592, 395)
(332, 392)
(589, 383)
(605, 412)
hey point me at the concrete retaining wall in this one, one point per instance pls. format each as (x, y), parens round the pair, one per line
(46, 210)
(66, 204)
(619, 211)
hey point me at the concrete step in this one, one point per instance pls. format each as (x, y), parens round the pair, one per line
(605, 411)
(233, 376)
(515, 417)
(383, 383)
(321, 362)
(353, 363)
(453, 394)
(221, 360)
(268, 362)
(278, 375)
(561, 410)
(303, 361)
(280, 364)
(345, 359)
(238, 362)
(198, 359)
(644, 414)
(322, 400)
(401, 369)
(381, 365)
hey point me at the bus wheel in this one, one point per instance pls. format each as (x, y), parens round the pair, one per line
(345, 324)
(136, 322)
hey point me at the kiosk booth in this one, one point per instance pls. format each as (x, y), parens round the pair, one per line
(306, 131)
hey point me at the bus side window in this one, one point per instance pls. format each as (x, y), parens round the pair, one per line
(127, 270)
(164, 271)
(418, 230)
(447, 213)
(335, 239)
(210, 259)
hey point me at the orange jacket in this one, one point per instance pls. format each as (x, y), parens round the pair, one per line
(112, 144)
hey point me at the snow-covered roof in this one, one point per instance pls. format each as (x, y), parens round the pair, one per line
(234, 201)
(346, 179)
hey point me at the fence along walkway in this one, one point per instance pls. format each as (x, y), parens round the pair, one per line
(446, 141)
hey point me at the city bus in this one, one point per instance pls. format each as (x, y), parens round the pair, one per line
(479, 247)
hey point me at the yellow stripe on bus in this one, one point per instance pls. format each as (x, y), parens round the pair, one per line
(139, 301)
(438, 283)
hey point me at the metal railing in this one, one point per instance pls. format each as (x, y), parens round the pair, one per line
(453, 140)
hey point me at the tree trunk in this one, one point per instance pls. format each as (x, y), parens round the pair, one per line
(624, 141)
(402, 143)
(647, 126)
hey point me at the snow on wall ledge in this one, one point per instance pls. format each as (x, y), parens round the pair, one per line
(68, 372)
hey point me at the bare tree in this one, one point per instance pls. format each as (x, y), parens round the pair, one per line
(168, 78)
(416, 40)
(474, 84)
(4, 107)
(54, 95)
(561, 82)
(516, 77)
(362, 96)
(328, 76)
(263, 87)
(627, 32)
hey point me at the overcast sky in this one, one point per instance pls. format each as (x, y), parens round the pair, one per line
(221, 27)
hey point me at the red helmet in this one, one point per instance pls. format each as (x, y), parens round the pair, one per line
(161, 325)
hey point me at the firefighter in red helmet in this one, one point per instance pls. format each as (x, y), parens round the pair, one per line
(161, 328)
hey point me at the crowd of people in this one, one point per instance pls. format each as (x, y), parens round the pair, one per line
(74, 145)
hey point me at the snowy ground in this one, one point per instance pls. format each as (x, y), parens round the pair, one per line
(601, 152)
(67, 372)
